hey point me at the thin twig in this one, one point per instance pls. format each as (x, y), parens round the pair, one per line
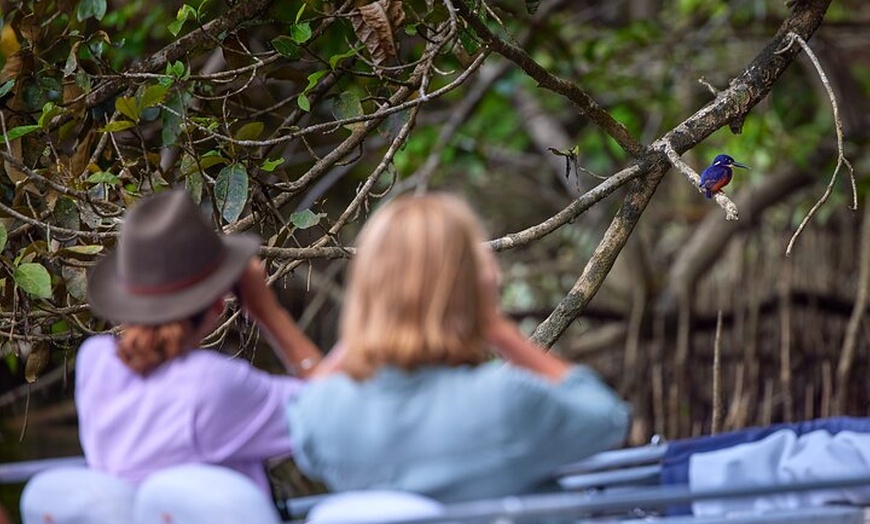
(850, 342)
(785, 308)
(26, 415)
(703, 81)
(570, 212)
(328, 127)
(718, 412)
(838, 125)
(57, 229)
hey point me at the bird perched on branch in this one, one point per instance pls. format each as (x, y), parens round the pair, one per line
(718, 174)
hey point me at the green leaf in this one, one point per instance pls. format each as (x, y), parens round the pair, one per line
(49, 111)
(175, 26)
(335, 59)
(249, 131)
(299, 13)
(175, 69)
(184, 13)
(66, 213)
(60, 326)
(12, 362)
(83, 80)
(103, 177)
(83, 250)
(172, 120)
(187, 12)
(3, 237)
(303, 103)
(313, 78)
(231, 191)
(302, 100)
(91, 8)
(6, 87)
(33, 278)
(18, 132)
(469, 40)
(152, 96)
(190, 165)
(128, 107)
(300, 33)
(270, 165)
(305, 219)
(72, 62)
(212, 158)
(193, 183)
(117, 125)
(286, 47)
(348, 105)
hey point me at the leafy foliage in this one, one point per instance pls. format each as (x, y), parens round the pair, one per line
(293, 118)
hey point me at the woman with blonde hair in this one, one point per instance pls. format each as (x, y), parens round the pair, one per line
(148, 398)
(418, 404)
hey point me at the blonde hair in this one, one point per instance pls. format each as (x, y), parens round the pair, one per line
(415, 295)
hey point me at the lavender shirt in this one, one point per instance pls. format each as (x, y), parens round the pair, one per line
(202, 407)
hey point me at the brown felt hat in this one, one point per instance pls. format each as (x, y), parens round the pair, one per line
(169, 263)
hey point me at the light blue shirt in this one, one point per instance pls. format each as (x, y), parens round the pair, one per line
(452, 433)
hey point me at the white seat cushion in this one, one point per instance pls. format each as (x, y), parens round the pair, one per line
(200, 493)
(76, 495)
(363, 507)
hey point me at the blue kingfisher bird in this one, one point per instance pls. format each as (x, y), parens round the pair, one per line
(718, 174)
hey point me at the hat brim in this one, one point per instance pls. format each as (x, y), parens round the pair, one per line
(109, 298)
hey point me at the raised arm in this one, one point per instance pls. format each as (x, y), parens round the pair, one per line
(507, 339)
(299, 355)
(504, 335)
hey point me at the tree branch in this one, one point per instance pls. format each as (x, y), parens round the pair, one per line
(640, 192)
(838, 126)
(711, 236)
(201, 37)
(584, 103)
(731, 105)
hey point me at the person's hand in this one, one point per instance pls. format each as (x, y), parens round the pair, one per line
(295, 350)
(254, 294)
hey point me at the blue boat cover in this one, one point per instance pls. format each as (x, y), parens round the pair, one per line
(675, 463)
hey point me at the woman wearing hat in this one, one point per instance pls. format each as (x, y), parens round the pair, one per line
(147, 399)
(419, 405)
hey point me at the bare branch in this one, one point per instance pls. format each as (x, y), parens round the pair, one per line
(56, 229)
(327, 127)
(569, 213)
(734, 103)
(709, 239)
(850, 342)
(449, 129)
(200, 37)
(838, 125)
(581, 99)
(718, 403)
(306, 253)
